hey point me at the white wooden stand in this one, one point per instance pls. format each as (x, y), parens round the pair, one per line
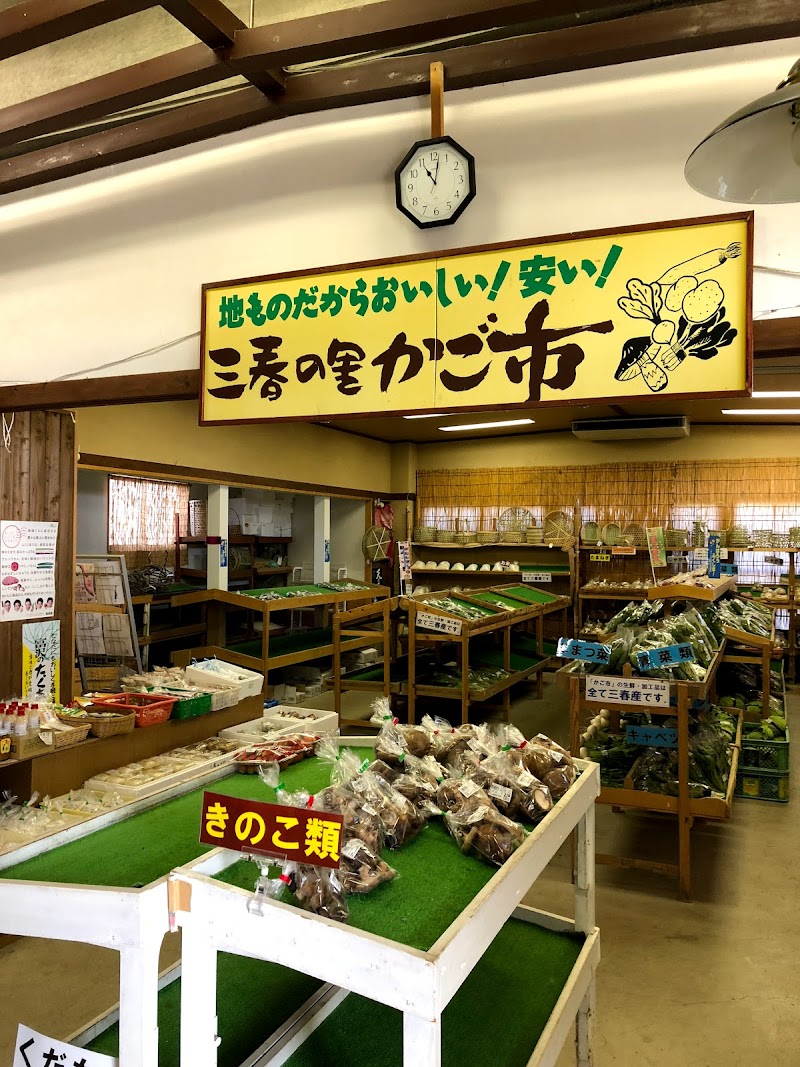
(214, 918)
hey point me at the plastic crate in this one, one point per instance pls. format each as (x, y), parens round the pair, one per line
(217, 673)
(150, 709)
(189, 707)
(762, 785)
(765, 755)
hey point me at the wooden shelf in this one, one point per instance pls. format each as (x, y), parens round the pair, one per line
(679, 591)
(171, 633)
(492, 544)
(248, 572)
(630, 594)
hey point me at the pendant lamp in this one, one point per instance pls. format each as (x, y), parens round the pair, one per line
(753, 157)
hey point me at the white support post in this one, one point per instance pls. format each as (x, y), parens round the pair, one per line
(198, 1000)
(138, 1005)
(422, 1041)
(219, 551)
(585, 873)
(322, 538)
(583, 1027)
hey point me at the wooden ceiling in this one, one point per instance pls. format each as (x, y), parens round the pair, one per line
(250, 76)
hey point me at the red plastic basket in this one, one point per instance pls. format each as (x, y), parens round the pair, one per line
(150, 709)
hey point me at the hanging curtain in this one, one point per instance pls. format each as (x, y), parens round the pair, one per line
(141, 519)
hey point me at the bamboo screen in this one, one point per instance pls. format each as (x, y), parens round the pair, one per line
(141, 519)
(758, 494)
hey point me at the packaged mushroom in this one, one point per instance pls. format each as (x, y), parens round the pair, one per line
(441, 734)
(399, 818)
(417, 782)
(362, 869)
(361, 819)
(480, 828)
(550, 763)
(320, 890)
(396, 741)
(454, 794)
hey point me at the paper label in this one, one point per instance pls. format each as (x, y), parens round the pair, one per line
(525, 779)
(537, 576)
(477, 815)
(475, 745)
(623, 550)
(426, 620)
(352, 848)
(650, 691)
(468, 788)
(503, 793)
(368, 808)
(35, 1050)
(600, 557)
(556, 756)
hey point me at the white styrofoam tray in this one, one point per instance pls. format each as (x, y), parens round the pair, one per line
(218, 673)
(327, 722)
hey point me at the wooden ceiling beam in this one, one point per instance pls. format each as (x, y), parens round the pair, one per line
(390, 24)
(34, 23)
(142, 83)
(216, 25)
(158, 133)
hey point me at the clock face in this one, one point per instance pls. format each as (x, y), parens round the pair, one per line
(435, 182)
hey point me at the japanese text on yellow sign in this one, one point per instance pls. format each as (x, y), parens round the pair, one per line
(640, 313)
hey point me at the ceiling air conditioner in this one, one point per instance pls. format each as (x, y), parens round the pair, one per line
(634, 428)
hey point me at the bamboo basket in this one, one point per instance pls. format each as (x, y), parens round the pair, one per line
(103, 725)
(424, 534)
(486, 537)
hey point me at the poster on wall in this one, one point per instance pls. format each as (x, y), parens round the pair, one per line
(27, 570)
(41, 655)
(662, 310)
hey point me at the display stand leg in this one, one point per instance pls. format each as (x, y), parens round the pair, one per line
(684, 819)
(198, 1002)
(138, 1006)
(422, 1041)
(464, 680)
(412, 661)
(583, 1027)
(584, 873)
(540, 650)
(337, 671)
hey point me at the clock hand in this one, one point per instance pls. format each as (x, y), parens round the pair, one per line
(437, 172)
(428, 173)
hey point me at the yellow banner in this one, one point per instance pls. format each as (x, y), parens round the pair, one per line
(41, 660)
(637, 314)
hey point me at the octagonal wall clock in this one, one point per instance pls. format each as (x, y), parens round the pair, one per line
(435, 182)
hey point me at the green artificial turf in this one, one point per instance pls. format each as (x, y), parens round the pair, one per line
(285, 644)
(284, 590)
(254, 998)
(496, 599)
(492, 656)
(148, 846)
(495, 1018)
(535, 596)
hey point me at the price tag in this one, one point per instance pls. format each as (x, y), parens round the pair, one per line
(588, 651)
(650, 691)
(600, 557)
(653, 736)
(35, 1050)
(428, 621)
(503, 793)
(623, 550)
(537, 576)
(664, 657)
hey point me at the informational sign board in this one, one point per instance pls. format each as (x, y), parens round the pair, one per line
(652, 736)
(41, 654)
(645, 312)
(657, 546)
(649, 691)
(727, 570)
(623, 550)
(600, 557)
(587, 651)
(298, 834)
(32, 1049)
(27, 570)
(714, 566)
(664, 657)
(404, 564)
(537, 576)
(426, 620)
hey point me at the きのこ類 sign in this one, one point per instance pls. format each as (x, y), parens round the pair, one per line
(298, 834)
(649, 691)
(426, 620)
(667, 656)
(27, 570)
(641, 312)
(588, 651)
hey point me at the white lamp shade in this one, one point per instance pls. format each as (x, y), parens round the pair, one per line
(753, 157)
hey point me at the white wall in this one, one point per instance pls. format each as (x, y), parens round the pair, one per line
(99, 268)
(347, 530)
(92, 513)
(301, 549)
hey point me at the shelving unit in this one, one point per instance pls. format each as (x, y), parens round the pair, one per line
(379, 965)
(557, 561)
(269, 652)
(685, 807)
(249, 575)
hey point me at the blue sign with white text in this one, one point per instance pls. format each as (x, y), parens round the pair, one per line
(664, 657)
(588, 651)
(652, 736)
(713, 556)
(728, 569)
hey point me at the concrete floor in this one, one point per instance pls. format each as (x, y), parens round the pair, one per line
(706, 984)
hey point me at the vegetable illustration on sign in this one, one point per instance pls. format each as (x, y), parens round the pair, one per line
(688, 317)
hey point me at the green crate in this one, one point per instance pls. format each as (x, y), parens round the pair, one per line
(762, 785)
(192, 706)
(765, 755)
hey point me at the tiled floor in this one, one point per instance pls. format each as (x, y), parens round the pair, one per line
(707, 984)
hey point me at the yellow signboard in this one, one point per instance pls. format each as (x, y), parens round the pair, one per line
(641, 313)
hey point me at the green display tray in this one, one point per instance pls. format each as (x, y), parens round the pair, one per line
(284, 591)
(497, 598)
(531, 594)
(287, 644)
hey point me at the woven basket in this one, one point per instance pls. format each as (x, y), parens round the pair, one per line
(64, 738)
(486, 537)
(462, 538)
(445, 537)
(513, 537)
(104, 726)
(424, 533)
